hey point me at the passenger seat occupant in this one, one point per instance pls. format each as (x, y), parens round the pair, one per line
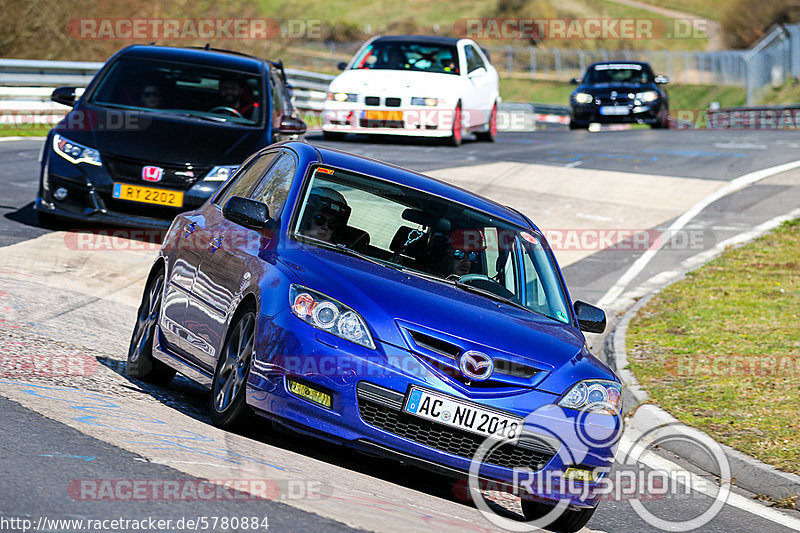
(325, 215)
(465, 247)
(151, 96)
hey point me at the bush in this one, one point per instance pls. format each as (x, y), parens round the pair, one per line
(343, 32)
(406, 26)
(745, 21)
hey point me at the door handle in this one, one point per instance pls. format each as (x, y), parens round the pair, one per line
(189, 229)
(216, 243)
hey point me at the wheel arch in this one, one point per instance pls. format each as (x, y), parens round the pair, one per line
(159, 264)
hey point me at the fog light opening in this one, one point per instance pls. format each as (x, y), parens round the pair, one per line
(60, 194)
(310, 394)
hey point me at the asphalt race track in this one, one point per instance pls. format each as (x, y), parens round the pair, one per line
(75, 425)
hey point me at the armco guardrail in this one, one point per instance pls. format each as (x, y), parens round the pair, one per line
(777, 117)
(309, 88)
(32, 73)
(26, 85)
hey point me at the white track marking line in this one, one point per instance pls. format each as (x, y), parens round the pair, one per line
(737, 184)
(702, 485)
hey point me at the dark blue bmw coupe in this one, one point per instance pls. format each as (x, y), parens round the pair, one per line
(378, 308)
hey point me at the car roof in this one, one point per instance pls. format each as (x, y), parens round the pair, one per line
(427, 39)
(211, 57)
(402, 176)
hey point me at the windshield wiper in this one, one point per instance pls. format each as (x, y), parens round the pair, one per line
(341, 248)
(115, 106)
(344, 249)
(467, 287)
(489, 294)
(207, 118)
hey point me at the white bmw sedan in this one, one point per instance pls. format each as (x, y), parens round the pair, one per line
(414, 85)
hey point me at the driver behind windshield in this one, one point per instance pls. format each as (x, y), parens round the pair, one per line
(235, 97)
(462, 251)
(325, 215)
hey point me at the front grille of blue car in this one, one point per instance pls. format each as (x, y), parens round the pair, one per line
(381, 408)
(448, 365)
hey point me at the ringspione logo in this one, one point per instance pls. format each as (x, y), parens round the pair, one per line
(639, 477)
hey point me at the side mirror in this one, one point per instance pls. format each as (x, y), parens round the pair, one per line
(661, 79)
(289, 128)
(292, 125)
(342, 65)
(575, 81)
(590, 318)
(246, 212)
(64, 95)
(477, 73)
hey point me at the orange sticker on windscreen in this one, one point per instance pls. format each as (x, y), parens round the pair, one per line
(323, 170)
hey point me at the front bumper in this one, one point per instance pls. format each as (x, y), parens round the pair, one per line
(418, 121)
(636, 114)
(89, 197)
(368, 390)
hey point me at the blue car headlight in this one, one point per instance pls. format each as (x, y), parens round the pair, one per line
(583, 98)
(329, 315)
(74, 152)
(594, 395)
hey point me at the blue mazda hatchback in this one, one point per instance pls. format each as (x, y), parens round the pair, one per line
(378, 308)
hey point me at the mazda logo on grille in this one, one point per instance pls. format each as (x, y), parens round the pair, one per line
(476, 365)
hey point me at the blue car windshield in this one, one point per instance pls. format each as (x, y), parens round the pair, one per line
(182, 89)
(430, 236)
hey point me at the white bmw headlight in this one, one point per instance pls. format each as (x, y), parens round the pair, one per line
(329, 315)
(419, 100)
(647, 96)
(594, 395)
(74, 152)
(342, 97)
(220, 173)
(584, 98)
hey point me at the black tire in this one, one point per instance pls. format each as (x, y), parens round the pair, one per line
(457, 133)
(569, 521)
(490, 135)
(662, 122)
(228, 406)
(577, 126)
(333, 136)
(141, 363)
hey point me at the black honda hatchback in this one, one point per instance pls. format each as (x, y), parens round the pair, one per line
(156, 132)
(619, 92)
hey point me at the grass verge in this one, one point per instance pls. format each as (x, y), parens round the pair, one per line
(720, 349)
(710, 9)
(24, 130)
